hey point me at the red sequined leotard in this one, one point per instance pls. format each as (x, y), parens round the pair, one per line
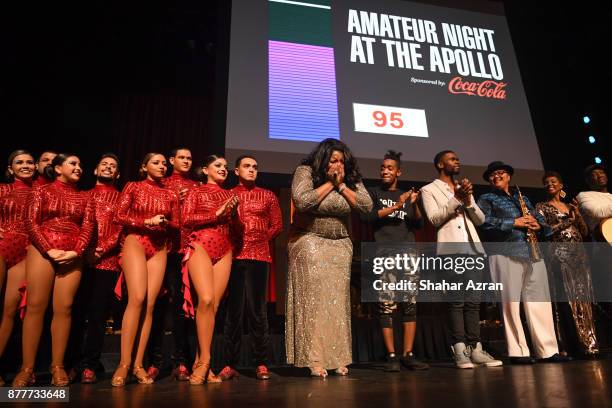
(177, 182)
(60, 217)
(13, 213)
(144, 200)
(106, 199)
(261, 220)
(206, 229)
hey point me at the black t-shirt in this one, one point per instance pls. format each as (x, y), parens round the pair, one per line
(396, 227)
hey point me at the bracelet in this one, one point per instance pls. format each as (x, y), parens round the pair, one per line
(341, 187)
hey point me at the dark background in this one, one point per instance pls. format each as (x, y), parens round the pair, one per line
(133, 78)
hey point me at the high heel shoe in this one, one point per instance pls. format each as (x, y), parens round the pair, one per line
(59, 378)
(318, 372)
(342, 371)
(208, 377)
(119, 380)
(24, 378)
(141, 375)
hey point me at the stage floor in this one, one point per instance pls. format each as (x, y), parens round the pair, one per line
(578, 383)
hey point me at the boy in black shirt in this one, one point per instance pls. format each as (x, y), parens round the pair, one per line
(395, 216)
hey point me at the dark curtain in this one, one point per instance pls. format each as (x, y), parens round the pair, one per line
(160, 123)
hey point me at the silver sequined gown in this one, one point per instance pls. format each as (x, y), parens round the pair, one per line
(318, 320)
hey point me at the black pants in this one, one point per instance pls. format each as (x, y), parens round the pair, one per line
(171, 302)
(463, 308)
(247, 284)
(97, 295)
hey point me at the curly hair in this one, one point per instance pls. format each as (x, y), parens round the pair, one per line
(319, 158)
(395, 156)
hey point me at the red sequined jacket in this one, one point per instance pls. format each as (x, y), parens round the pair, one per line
(261, 220)
(177, 182)
(106, 199)
(60, 217)
(145, 199)
(41, 181)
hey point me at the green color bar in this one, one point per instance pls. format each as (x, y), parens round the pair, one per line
(301, 24)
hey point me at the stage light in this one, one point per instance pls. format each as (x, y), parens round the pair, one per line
(591, 139)
(586, 119)
(597, 160)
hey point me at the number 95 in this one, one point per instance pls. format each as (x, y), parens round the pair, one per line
(395, 119)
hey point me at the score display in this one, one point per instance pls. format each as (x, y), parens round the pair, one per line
(378, 75)
(389, 120)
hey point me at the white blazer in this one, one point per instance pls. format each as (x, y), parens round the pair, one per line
(454, 222)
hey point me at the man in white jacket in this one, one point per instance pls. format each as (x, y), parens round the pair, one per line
(596, 204)
(449, 205)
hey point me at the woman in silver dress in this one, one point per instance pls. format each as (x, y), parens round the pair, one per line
(318, 323)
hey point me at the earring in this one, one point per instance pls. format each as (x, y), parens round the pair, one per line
(562, 194)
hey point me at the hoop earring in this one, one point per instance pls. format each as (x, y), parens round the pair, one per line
(562, 194)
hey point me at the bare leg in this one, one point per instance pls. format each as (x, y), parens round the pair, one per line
(2, 272)
(409, 334)
(135, 274)
(12, 297)
(66, 284)
(387, 333)
(156, 267)
(40, 276)
(210, 283)
(201, 274)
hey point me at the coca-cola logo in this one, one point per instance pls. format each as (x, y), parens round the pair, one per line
(484, 89)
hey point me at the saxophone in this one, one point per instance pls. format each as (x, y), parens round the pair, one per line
(532, 239)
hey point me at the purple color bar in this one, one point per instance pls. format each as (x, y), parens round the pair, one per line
(303, 102)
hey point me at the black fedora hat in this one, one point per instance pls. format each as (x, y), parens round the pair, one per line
(494, 166)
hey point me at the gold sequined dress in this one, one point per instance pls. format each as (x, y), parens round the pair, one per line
(318, 320)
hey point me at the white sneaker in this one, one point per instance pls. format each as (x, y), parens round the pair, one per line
(461, 354)
(481, 357)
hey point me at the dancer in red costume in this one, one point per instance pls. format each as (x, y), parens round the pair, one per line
(45, 159)
(147, 212)
(181, 183)
(13, 236)
(208, 213)
(261, 217)
(60, 223)
(96, 291)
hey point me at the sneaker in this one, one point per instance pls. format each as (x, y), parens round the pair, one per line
(88, 376)
(262, 372)
(392, 364)
(481, 357)
(153, 372)
(228, 373)
(462, 356)
(181, 373)
(412, 363)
